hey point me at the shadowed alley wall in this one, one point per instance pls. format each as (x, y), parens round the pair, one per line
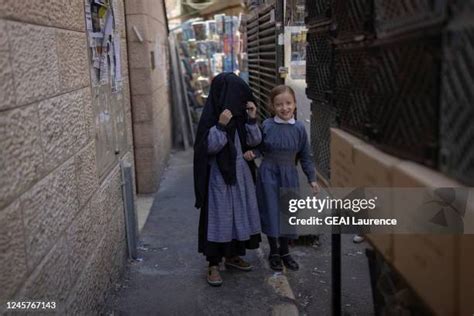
(152, 118)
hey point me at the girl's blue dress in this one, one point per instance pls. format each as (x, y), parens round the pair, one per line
(232, 209)
(282, 143)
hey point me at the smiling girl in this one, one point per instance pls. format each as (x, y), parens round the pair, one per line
(284, 143)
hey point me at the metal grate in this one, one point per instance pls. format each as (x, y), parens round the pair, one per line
(457, 8)
(457, 101)
(406, 67)
(319, 65)
(353, 18)
(264, 54)
(388, 92)
(317, 12)
(393, 17)
(352, 66)
(323, 117)
(353, 73)
(405, 97)
(353, 109)
(406, 127)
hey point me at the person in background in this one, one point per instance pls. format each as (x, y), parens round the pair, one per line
(284, 143)
(223, 181)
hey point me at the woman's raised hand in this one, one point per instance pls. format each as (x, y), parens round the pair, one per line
(249, 155)
(225, 117)
(251, 109)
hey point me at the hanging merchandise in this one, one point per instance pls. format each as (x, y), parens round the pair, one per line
(220, 20)
(227, 44)
(212, 48)
(207, 48)
(187, 31)
(228, 26)
(192, 48)
(199, 29)
(204, 85)
(236, 45)
(202, 49)
(218, 62)
(228, 64)
(202, 67)
(211, 30)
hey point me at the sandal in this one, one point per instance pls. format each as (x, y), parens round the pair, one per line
(275, 262)
(238, 263)
(289, 262)
(213, 276)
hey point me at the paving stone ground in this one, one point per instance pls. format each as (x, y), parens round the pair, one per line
(169, 278)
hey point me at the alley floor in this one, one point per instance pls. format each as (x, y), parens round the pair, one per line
(170, 276)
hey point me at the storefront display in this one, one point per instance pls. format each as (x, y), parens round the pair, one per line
(207, 48)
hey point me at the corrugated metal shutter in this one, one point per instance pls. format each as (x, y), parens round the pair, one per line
(264, 53)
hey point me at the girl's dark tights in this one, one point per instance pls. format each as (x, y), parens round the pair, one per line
(283, 241)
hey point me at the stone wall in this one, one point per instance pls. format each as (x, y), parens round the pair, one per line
(62, 232)
(152, 120)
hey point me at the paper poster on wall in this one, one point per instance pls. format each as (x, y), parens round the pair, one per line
(111, 61)
(88, 16)
(103, 70)
(103, 40)
(104, 43)
(115, 13)
(117, 75)
(109, 25)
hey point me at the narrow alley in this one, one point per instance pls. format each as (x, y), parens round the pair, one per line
(169, 277)
(340, 131)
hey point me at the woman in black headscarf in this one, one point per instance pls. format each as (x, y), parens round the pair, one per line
(223, 181)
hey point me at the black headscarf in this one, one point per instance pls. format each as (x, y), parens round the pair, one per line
(228, 91)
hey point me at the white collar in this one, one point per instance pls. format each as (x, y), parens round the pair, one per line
(277, 119)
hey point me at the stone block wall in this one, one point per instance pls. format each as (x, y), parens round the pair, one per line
(62, 235)
(152, 119)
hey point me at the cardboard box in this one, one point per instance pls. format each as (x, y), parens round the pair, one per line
(409, 174)
(373, 169)
(342, 158)
(466, 261)
(469, 214)
(427, 262)
(466, 275)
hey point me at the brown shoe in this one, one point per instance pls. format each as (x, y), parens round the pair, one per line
(213, 276)
(237, 263)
